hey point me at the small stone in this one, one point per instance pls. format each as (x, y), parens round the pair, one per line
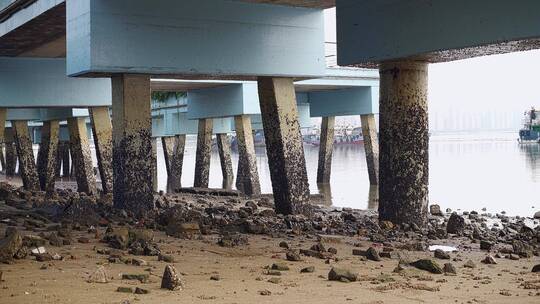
(469, 264)
(44, 257)
(99, 276)
(274, 280)
(449, 268)
(215, 277)
(83, 240)
(489, 260)
(536, 268)
(332, 250)
(308, 269)
(513, 257)
(342, 274)
(456, 224)
(293, 256)
(279, 266)
(166, 258)
(171, 279)
(284, 244)
(141, 291)
(273, 272)
(386, 225)
(435, 210)
(372, 254)
(10, 246)
(265, 292)
(486, 245)
(441, 254)
(124, 289)
(143, 278)
(428, 265)
(537, 215)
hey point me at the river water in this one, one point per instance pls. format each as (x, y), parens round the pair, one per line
(467, 172)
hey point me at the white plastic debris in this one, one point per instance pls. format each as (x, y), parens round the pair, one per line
(39, 250)
(443, 248)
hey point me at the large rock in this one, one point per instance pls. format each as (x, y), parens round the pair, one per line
(118, 238)
(10, 247)
(342, 275)
(428, 265)
(171, 279)
(456, 224)
(435, 210)
(537, 215)
(99, 276)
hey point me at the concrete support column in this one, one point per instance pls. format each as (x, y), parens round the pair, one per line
(224, 148)
(403, 175)
(173, 151)
(132, 143)
(154, 165)
(371, 146)
(64, 156)
(247, 177)
(11, 152)
(168, 142)
(81, 155)
(284, 144)
(3, 115)
(102, 129)
(27, 165)
(2, 158)
(204, 150)
(47, 155)
(325, 150)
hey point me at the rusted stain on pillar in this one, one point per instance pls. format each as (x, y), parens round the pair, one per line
(326, 147)
(284, 145)
(81, 155)
(11, 152)
(102, 130)
(27, 165)
(132, 143)
(404, 142)
(371, 146)
(48, 150)
(224, 148)
(247, 177)
(202, 157)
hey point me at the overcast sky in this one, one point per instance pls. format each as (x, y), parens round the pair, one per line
(508, 82)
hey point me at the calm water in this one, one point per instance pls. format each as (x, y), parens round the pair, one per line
(467, 172)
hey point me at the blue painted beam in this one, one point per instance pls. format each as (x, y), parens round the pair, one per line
(23, 114)
(436, 30)
(344, 102)
(42, 82)
(217, 38)
(170, 123)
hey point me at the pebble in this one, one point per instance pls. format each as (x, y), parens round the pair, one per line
(293, 256)
(279, 266)
(489, 260)
(308, 269)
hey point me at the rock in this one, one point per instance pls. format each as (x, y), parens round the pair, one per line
(143, 278)
(166, 258)
(215, 277)
(386, 225)
(428, 265)
(342, 275)
(141, 291)
(308, 269)
(522, 249)
(293, 256)
(513, 257)
(449, 268)
(537, 215)
(55, 240)
(435, 210)
(536, 268)
(469, 264)
(456, 224)
(124, 289)
(486, 245)
(332, 250)
(99, 276)
(441, 254)
(489, 260)
(183, 230)
(372, 254)
(233, 240)
(139, 262)
(44, 257)
(171, 279)
(284, 244)
(274, 280)
(279, 266)
(10, 247)
(265, 292)
(118, 238)
(319, 247)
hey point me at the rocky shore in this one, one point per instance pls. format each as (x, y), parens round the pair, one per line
(239, 241)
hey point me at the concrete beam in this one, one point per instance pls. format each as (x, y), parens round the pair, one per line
(369, 32)
(344, 102)
(192, 37)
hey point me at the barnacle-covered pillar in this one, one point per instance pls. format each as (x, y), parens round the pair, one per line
(325, 150)
(81, 155)
(247, 177)
(203, 154)
(47, 156)
(27, 165)
(102, 129)
(224, 149)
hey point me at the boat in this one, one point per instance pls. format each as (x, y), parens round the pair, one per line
(342, 136)
(531, 127)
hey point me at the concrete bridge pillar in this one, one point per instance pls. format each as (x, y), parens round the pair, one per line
(27, 165)
(2, 158)
(168, 142)
(247, 177)
(173, 150)
(202, 157)
(371, 146)
(11, 152)
(62, 162)
(403, 189)
(224, 148)
(154, 165)
(47, 155)
(284, 144)
(132, 143)
(3, 115)
(102, 130)
(81, 155)
(326, 146)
